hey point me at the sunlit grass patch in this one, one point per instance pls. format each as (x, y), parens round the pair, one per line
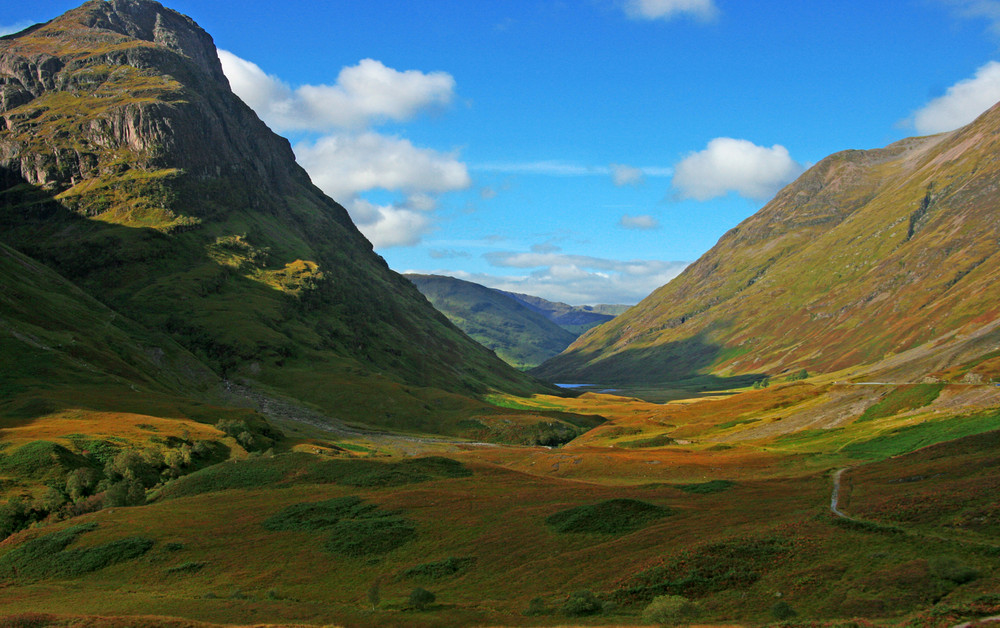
(901, 399)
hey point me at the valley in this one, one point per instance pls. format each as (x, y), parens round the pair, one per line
(219, 406)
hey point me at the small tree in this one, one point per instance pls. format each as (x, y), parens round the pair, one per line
(375, 593)
(669, 609)
(421, 598)
(581, 603)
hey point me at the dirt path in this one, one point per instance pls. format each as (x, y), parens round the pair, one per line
(835, 497)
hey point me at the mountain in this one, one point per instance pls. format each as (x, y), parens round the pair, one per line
(877, 255)
(130, 169)
(518, 333)
(574, 318)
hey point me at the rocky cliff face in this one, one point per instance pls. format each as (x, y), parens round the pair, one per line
(129, 166)
(127, 75)
(869, 254)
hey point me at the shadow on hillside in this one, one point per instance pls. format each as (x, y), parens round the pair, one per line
(681, 365)
(102, 259)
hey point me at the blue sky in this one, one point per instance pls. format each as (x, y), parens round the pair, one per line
(584, 151)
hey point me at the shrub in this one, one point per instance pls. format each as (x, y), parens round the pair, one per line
(15, 515)
(668, 609)
(441, 569)
(421, 598)
(81, 483)
(252, 435)
(187, 567)
(125, 493)
(580, 604)
(367, 537)
(357, 528)
(614, 516)
(320, 515)
(952, 569)
(782, 611)
(536, 607)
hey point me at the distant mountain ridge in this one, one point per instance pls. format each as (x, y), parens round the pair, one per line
(575, 318)
(519, 334)
(867, 255)
(522, 329)
(129, 167)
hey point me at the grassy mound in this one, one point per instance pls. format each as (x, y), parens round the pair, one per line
(614, 516)
(707, 488)
(357, 528)
(47, 556)
(440, 570)
(319, 515)
(39, 459)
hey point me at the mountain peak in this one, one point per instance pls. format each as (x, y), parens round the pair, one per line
(111, 23)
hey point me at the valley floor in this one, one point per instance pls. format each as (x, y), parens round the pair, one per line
(724, 501)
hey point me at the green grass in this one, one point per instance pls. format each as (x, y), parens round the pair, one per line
(47, 556)
(614, 516)
(39, 459)
(707, 488)
(901, 399)
(660, 440)
(909, 438)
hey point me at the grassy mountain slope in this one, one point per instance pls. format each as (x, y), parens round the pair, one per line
(130, 168)
(518, 334)
(54, 336)
(867, 255)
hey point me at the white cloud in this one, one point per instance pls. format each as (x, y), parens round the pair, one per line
(364, 94)
(351, 159)
(962, 103)
(389, 225)
(575, 279)
(669, 9)
(346, 165)
(557, 168)
(987, 9)
(643, 222)
(626, 175)
(733, 165)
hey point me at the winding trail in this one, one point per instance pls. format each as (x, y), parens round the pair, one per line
(835, 497)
